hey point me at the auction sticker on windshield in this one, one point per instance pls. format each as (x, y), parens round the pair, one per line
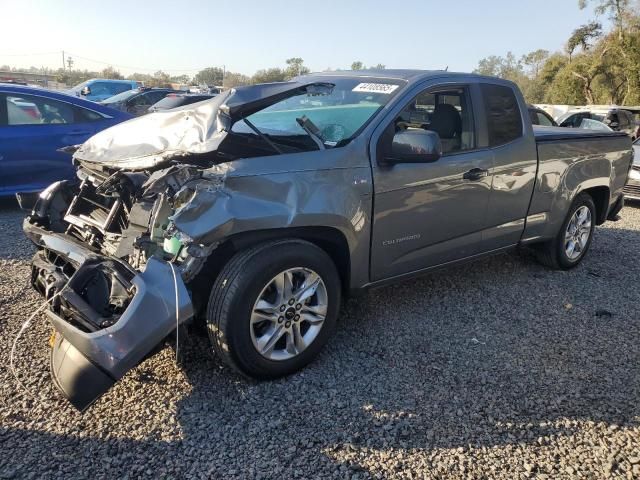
(375, 88)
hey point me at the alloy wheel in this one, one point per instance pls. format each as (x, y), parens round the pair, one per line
(288, 314)
(578, 232)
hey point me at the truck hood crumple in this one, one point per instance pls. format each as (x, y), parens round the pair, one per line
(154, 139)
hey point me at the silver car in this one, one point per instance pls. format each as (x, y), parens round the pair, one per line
(632, 189)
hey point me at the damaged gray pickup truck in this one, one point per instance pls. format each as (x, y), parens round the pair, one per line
(254, 212)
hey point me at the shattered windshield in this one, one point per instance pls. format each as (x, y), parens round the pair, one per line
(339, 113)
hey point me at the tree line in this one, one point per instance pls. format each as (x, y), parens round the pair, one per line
(595, 67)
(208, 76)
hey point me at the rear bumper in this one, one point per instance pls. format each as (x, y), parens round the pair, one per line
(632, 190)
(93, 350)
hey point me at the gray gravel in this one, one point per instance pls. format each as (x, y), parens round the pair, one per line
(499, 369)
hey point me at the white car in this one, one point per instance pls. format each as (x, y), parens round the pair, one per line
(619, 119)
(632, 189)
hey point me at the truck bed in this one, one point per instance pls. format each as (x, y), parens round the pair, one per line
(566, 157)
(551, 134)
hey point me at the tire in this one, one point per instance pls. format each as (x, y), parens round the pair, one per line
(250, 276)
(555, 253)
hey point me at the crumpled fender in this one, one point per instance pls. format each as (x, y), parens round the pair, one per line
(339, 198)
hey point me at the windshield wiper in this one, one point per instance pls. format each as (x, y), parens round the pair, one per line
(313, 131)
(262, 136)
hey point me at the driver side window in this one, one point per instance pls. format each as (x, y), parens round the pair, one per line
(444, 111)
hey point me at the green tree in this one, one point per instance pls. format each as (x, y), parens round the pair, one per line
(489, 66)
(232, 79)
(183, 79)
(357, 65)
(269, 75)
(565, 89)
(535, 60)
(507, 67)
(582, 37)
(295, 67)
(111, 73)
(145, 78)
(74, 77)
(161, 79)
(618, 10)
(209, 76)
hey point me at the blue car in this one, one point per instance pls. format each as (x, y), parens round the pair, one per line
(34, 124)
(98, 89)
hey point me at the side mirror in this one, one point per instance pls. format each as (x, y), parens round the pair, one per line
(85, 91)
(415, 146)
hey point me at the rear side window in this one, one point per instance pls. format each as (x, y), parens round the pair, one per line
(83, 115)
(504, 122)
(574, 121)
(32, 110)
(542, 119)
(170, 101)
(35, 110)
(155, 97)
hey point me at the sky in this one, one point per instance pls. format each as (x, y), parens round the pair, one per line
(184, 36)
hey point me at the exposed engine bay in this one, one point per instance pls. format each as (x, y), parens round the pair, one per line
(122, 215)
(113, 264)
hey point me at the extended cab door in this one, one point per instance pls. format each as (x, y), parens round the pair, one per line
(515, 163)
(431, 213)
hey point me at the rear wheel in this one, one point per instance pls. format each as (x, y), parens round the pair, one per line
(273, 307)
(572, 242)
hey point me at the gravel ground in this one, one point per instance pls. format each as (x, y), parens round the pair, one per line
(498, 369)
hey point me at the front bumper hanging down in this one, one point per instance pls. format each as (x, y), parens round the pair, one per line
(107, 316)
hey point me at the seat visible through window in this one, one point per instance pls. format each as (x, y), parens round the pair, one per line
(448, 113)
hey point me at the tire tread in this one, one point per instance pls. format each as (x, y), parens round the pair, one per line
(223, 292)
(548, 253)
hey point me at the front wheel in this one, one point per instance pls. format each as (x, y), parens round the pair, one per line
(273, 307)
(572, 242)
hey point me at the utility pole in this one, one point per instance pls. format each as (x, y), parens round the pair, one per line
(63, 63)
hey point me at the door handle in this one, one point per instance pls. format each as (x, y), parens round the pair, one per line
(475, 174)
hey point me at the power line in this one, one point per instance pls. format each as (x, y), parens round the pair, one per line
(28, 54)
(69, 54)
(134, 68)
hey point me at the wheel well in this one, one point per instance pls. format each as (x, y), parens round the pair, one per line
(600, 196)
(331, 240)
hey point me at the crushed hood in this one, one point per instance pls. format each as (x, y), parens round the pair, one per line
(156, 138)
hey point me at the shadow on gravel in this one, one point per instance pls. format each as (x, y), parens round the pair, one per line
(13, 243)
(502, 352)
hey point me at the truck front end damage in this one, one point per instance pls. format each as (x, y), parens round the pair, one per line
(114, 269)
(121, 248)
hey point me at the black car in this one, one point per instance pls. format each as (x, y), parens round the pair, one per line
(174, 100)
(540, 117)
(137, 102)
